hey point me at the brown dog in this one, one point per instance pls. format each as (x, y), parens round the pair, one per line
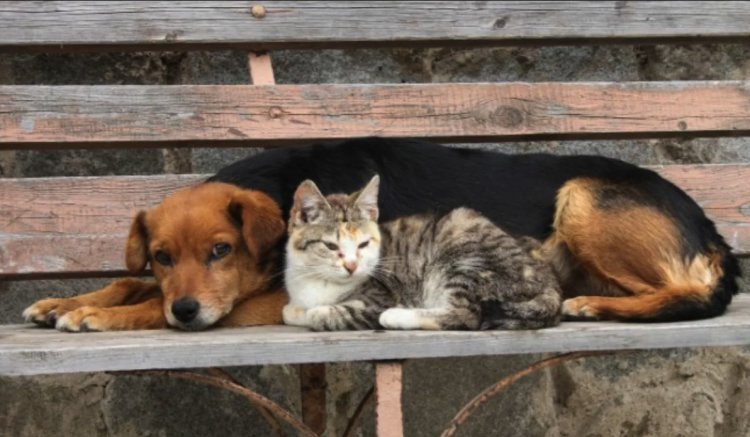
(212, 251)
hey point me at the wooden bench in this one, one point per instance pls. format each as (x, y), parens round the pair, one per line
(75, 227)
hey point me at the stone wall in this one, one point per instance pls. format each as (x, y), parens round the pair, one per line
(701, 392)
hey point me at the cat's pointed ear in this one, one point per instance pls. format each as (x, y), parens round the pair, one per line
(367, 199)
(309, 203)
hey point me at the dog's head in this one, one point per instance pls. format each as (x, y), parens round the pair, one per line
(208, 247)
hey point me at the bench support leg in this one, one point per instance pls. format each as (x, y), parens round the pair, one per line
(312, 379)
(261, 72)
(390, 422)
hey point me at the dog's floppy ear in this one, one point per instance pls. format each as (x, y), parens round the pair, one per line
(261, 219)
(136, 249)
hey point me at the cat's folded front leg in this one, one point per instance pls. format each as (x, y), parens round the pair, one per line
(294, 315)
(349, 315)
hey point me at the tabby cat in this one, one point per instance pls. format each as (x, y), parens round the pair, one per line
(441, 272)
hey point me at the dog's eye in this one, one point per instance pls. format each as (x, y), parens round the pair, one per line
(363, 245)
(220, 250)
(163, 258)
(331, 246)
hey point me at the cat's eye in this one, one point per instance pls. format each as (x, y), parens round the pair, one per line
(220, 250)
(363, 245)
(163, 258)
(331, 246)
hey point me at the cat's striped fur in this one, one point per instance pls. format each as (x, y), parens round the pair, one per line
(448, 271)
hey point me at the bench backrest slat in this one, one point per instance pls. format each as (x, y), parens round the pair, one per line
(160, 25)
(154, 116)
(77, 226)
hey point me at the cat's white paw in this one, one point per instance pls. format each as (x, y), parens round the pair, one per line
(400, 318)
(319, 318)
(294, 315)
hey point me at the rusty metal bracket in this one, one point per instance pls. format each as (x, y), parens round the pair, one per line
(504, 383)
(226, 384)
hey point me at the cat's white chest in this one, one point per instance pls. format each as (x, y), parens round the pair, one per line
(309, 293)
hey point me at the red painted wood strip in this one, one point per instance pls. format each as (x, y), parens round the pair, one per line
(261, 70)
(388, 388)
(154, 116)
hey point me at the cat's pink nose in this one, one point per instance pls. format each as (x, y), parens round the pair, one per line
(350, 266)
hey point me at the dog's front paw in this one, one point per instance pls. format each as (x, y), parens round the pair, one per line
(579, 308)
(46, 312)
(85, 319)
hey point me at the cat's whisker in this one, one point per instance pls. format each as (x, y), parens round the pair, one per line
(380, 269)
(304, 275)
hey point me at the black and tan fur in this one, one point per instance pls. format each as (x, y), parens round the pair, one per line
(628, 244)
(614, 240)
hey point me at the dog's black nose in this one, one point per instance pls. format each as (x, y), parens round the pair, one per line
(185, 309)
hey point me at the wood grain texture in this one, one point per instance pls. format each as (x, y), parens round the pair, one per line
(77, 226)
(74, 226)
(159, 25)
(26, 350)
(723, 191)
(190, 115)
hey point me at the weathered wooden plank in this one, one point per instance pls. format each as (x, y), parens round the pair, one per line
(152, 116)
(28, 351)
(118, 25)
(74, 226)
(81, 205)
(723, 191)
(77, 226)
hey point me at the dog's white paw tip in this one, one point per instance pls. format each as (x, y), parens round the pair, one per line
(65, 324)
(33, 315)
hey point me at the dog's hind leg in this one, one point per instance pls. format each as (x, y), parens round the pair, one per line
(630, 257)
(127, 291)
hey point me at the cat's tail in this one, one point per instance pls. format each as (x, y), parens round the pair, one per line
(542, 311)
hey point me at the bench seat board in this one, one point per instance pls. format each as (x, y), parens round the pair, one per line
(129, 116)
(27, 350)
(181, 25)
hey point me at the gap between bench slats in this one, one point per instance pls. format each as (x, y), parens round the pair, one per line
(77, 226)
(161, 25)
(241, 115)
